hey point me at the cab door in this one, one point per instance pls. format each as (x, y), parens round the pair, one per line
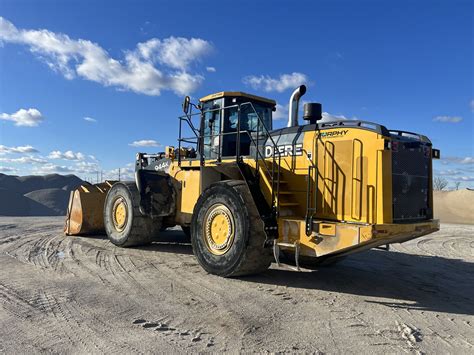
(211, 129)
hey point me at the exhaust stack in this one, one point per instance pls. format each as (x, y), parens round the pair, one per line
(294, 105)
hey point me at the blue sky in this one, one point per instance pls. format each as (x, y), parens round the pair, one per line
(127, 65)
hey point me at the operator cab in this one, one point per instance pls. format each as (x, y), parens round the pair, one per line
(220, 123)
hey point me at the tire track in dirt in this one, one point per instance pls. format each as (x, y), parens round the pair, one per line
(100, 298)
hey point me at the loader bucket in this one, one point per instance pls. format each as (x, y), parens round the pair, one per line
(85, 209)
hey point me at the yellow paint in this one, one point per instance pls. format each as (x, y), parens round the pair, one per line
(350, 183)
(349, 237)
(189, 181)
(120, 214)
(219, 229)
(327, 229)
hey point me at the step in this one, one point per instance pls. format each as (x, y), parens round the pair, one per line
(281, 181)
(276, 252)
(286, 204)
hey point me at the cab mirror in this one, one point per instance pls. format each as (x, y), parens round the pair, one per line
(186, 102)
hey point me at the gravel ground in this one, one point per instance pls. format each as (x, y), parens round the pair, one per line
(83, 295)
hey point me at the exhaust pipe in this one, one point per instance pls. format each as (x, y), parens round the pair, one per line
(294, 105)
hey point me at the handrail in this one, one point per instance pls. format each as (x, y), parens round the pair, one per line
(275, 197)
(261, 129)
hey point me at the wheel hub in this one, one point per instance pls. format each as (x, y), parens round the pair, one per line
(120, 214)
(219, 229)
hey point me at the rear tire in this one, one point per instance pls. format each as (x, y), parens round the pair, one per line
(124, 224)
(227, 232)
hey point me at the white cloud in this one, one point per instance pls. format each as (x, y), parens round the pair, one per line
(458, 160)
(7, 169)
(280, 84)
(174, 52)
(123, 173)
(28, 118)
(90, 119)
(448, 119)
(281, 113)
(24, 160)
(86, 167)
(20, 149)
(137, 72)
(145, 143)
(449, 172)
(328, 117)
(467, 160)
(211, 69)
(51, 169)
(67, 155)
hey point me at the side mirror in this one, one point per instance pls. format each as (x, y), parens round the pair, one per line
(186, 102)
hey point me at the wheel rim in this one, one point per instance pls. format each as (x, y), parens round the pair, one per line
(219, 229)
(120, 214)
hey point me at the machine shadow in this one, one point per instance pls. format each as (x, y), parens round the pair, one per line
(170, 241)
(428, 283)
(416, 282)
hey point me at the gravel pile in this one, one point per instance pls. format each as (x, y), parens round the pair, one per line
(36, 195)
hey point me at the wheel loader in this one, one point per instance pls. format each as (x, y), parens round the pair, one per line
(246, 194)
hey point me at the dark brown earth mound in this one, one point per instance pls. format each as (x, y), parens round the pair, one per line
(36, 195)
(55, 199)
(15, 204)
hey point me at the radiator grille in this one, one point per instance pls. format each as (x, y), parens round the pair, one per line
(411, 169)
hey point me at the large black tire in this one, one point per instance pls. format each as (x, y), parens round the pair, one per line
(246, 254)
(137, 229)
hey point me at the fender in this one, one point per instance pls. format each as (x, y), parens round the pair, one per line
(157, 195)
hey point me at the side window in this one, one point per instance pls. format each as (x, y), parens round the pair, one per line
(211, 128)
(250, 120)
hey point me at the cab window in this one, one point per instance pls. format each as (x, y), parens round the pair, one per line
(211, 128)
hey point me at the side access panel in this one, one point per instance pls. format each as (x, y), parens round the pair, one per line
(349, 182)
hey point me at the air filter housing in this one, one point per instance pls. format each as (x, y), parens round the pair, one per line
(312, 112)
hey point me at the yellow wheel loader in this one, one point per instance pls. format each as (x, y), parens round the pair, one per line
(245, 193)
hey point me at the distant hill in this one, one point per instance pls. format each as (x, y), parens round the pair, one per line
(454, 206)
(34, 195)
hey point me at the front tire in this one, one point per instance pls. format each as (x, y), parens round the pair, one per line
(124, 224)
(227, 232)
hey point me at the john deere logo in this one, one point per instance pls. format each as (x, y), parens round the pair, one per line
(285, 150)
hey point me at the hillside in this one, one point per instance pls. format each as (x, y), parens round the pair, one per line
(454, 206)
(36, 195)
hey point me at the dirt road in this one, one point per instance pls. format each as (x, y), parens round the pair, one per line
(83, 295)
